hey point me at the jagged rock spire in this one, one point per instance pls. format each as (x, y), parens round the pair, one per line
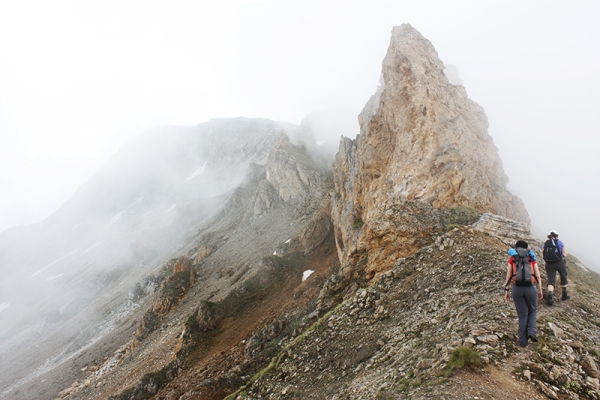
(422, 141)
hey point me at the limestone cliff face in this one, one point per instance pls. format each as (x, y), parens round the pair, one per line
(423, 145)
(293, 173)
(290, 178)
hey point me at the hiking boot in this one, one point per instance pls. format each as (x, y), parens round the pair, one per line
(565, 295)
(533, 338)
(550, 299)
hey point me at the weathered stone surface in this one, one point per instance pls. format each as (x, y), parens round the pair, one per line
(203, 252)
(589, 366)
(546, 390)
(174, 286)
(594, 382)
(489, 339)
(556, 330)
(504, 227)
(425, 363)
(291, 177)
(184, 266)
(292, 172)
(423, 142)
(205, 318)
(316, 230)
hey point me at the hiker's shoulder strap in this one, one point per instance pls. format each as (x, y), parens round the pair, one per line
(513, 271)
(533, 264)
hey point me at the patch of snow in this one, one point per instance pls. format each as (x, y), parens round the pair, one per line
(197, 172)
(118, 216)
(4, 305)
(172, 207)
(115, 218)
(287, 241)
(92, 246)
(52, 263)
(306, 274)
(135, 202)
(53, 277)
(73, 228)
(275, 253)
(321, 142)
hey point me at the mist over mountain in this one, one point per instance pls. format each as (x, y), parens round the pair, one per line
(136, 211)
(241, 259)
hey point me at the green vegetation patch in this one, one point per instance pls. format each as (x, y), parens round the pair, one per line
(463, 357)
(275, 361)
(455, 217)
(358, 223)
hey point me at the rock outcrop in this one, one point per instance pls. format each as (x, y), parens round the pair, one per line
(178, 276)
(290, 178)
(294, 174)
(423, 144)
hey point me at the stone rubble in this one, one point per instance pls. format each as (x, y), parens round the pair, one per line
(396, 336)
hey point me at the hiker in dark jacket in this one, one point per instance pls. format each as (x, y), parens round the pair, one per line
(524, 293)
(555, 257)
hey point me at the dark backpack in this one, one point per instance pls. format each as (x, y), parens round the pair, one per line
(522, 269)
(551, 251)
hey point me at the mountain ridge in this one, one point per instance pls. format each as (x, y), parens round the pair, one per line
(72, 261)
(403, 239)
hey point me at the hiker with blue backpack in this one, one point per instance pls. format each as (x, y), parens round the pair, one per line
(555, 257)
(524, 276)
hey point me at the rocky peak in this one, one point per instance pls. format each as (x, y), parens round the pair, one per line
(290, 178)
(422, 140)
(292, 171)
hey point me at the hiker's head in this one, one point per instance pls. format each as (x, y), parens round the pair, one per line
(552, 234)
(522, 244)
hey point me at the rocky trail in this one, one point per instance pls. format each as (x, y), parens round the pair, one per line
(395, 338)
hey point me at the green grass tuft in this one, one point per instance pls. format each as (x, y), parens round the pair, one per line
(358, 223)
(463, 357)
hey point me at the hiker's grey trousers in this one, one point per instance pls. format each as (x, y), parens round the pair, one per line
(525, 298)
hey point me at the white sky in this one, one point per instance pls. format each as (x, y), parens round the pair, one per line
(79, 78)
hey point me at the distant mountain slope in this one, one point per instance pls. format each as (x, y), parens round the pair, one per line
(66, 273)
(280, 207)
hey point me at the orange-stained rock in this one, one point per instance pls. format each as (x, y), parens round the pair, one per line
(423, 145)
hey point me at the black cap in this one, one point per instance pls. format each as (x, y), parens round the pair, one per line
(522, 244)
